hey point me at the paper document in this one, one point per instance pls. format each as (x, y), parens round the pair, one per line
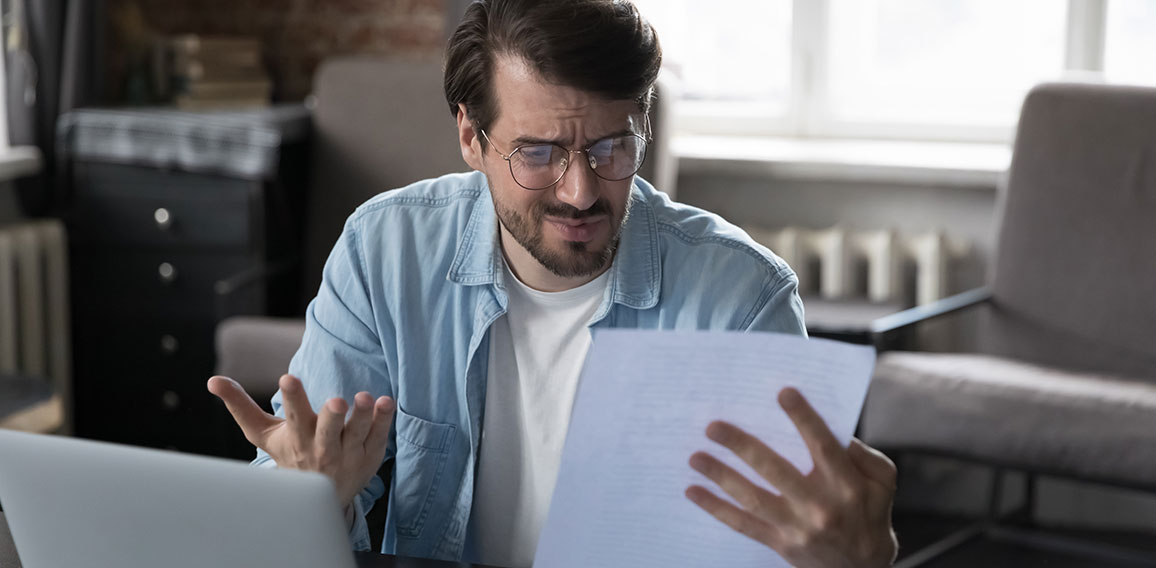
(643, 404)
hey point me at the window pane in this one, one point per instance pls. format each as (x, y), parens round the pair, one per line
(734, 50)
(951, 62)
(1130, 49)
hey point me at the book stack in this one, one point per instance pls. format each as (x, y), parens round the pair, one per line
(206, 73)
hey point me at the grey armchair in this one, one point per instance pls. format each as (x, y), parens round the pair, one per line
(1064, 382)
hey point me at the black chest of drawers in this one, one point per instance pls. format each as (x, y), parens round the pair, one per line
(178, 220)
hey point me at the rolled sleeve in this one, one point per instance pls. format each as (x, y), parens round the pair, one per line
(341, 354)
(781, 308)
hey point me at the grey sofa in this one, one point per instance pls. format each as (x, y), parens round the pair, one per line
(379, 124)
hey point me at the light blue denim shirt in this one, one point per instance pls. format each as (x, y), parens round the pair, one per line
(411, 289)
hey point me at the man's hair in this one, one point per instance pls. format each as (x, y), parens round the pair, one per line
(603, 47)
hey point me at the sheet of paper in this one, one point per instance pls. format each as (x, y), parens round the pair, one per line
(643, 404)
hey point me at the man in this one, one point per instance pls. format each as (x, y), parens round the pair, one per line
(465, 304)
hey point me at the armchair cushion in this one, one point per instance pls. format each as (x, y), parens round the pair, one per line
(1076, 237)
(1014, 413)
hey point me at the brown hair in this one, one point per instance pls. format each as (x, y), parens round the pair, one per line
(603, 47)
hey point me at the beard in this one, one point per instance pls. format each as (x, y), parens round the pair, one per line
(578, 259)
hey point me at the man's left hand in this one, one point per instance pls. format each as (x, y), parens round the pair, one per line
(839, 514)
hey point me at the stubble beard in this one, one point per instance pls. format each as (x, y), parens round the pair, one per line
(577, 260)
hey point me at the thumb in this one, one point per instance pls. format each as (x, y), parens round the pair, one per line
(872, 463)
(249, 416)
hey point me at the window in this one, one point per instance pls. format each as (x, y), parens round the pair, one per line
(1130, 49)
(907, 69)
(713, 62)
(943, 62)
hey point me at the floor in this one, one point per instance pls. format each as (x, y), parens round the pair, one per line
(1021, 547)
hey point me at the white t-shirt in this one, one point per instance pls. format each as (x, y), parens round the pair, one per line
(536, 354)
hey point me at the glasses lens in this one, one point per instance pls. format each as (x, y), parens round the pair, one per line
(617, 158)
(538, 166)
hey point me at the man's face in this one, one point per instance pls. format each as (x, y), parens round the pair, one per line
(571, 228)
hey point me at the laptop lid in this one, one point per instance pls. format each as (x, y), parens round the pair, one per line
(72, 502)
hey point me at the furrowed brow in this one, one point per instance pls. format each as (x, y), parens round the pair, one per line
(622, 132)
(528, 140)
(524, 140)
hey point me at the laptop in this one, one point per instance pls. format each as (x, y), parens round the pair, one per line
(72, 502)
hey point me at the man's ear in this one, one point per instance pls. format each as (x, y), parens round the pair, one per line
(468, 140)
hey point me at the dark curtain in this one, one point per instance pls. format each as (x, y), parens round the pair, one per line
(53, 55)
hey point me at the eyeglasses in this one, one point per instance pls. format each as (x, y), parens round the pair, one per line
(539, 166)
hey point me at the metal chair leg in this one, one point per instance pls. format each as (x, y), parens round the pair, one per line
(995, 496)
(944, 545)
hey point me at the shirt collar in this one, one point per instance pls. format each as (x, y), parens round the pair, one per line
(636, 273)
(478, 259)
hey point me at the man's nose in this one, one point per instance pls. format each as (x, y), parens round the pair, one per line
(579, 185)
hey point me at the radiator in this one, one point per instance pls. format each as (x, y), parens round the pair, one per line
(881, 266)
(34, 314)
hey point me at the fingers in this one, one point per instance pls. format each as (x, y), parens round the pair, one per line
(765, 461)
(383, 410)
(254, 421)
(873, 464)
(732, 516)
(330, 423)
(359, 423)
(298, 412)
(824, 447)
(753, 498)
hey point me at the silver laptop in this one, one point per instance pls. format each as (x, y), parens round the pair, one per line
(73, 502)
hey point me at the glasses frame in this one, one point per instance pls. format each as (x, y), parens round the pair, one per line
(647, 140)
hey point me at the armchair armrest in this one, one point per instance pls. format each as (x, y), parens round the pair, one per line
(255, 275)
(247, 291)
(885, 327)
(29, 404)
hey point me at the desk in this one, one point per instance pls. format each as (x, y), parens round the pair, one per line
(8, 558)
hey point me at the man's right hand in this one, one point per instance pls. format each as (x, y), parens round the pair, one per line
(348, 452)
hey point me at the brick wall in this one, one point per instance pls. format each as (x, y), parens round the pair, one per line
(296, 34)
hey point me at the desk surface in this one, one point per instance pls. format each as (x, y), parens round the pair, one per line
(8, 558)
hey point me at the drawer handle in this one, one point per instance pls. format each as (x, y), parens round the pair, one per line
(169, 344)
(170, 400)
(163, 218)
(167, 272)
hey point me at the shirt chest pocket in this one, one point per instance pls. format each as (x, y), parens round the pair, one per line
(422, 452)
